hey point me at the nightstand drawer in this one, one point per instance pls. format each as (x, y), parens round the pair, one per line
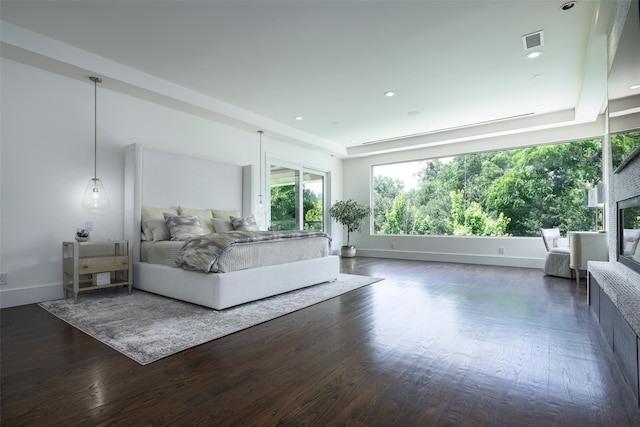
(103, 263)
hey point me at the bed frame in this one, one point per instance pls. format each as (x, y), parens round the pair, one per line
(156, 178)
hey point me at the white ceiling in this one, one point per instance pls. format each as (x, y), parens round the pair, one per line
(260, 64)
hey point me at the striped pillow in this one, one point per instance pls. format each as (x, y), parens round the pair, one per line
(246, 223)
(183, 227)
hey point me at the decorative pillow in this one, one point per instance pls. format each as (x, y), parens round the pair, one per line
(159, 229)
(151, 212)
(631, 239)
(247, 223)
(204, 215)
(629, 249)
(550, 237)
(217, 213)
(183, 227)
(221, 225)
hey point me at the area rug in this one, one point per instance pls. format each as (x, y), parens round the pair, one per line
(147, 327)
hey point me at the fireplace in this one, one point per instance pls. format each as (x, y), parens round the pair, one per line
(625, 235)
(628, 226)
(614, 286)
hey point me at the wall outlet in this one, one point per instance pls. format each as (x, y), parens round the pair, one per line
(88, 225)
(3, 278)
(501, 251)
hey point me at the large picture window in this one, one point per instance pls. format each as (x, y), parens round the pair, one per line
(498, 193)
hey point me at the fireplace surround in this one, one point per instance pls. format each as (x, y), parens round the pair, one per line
(614, 286)
(628, 229)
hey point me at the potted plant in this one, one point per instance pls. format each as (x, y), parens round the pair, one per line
(82, 235)
(350, 214)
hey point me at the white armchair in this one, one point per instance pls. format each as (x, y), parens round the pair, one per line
(631, 238)
(587, 246)
(556, 262)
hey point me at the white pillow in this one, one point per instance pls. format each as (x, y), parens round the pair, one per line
(151, 212)
(218, 213)
(159, 229)
(221, 225)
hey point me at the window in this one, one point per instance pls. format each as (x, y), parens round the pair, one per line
(313, 201)
(297, 204)
(498, 193)
(622, 145)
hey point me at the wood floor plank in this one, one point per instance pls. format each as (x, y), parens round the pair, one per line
(433, 344)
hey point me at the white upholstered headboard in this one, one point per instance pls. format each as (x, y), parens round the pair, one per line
(157, 178)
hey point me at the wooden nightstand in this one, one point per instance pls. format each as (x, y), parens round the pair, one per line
(94, 265)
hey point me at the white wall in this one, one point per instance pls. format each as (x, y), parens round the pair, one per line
(47, 159)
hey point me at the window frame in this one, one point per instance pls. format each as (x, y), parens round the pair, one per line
(301, 169)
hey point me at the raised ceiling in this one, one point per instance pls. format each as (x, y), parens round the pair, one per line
(260, 64)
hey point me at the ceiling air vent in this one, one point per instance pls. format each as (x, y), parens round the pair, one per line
(533, 40)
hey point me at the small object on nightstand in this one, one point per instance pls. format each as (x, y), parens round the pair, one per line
(102, 278)
(82, 235)
(95, 265)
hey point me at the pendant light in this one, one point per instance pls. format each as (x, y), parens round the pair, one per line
(95, 196)
(260, 195)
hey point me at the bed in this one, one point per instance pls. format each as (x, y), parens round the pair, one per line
(170, 183)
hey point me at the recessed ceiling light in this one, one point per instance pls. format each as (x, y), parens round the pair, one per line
(634, 87)
(389, 94)
(568, 5)
(299, 118)
(534, 54)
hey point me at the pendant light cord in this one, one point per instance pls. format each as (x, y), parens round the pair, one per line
(95, 81)
(260, 132)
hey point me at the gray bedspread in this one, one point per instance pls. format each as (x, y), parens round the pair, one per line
(201, 253)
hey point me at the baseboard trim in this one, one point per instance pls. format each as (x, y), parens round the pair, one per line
(502, 261)
(30, 295)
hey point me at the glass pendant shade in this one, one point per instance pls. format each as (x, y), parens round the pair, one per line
(95, 196)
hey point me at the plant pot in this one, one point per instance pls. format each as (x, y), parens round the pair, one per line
(348, 251)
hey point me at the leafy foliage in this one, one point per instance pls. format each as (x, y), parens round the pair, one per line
(385, 190)
(283, 208)
(473, 221)
(498, 193)
(622, 145)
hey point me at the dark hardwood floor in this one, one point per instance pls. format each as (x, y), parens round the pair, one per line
(433, 344)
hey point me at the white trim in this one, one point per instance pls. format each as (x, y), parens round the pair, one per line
(30, 295)
(503, 261)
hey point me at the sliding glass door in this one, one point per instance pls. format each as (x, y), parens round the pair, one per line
(284, 184)
(313, 201)
(297, 198)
